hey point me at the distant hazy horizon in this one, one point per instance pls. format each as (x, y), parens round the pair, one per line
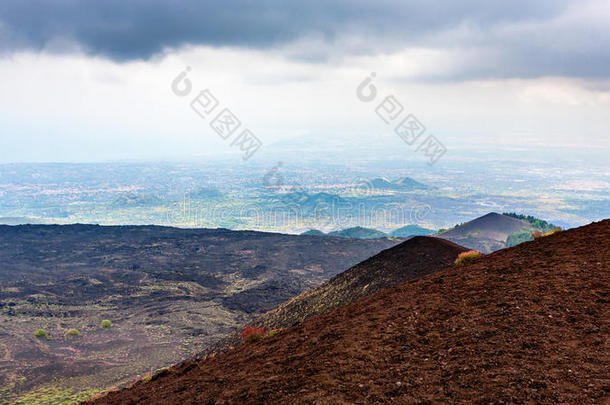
(496, 106)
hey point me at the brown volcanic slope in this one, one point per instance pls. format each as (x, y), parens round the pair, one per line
(414, 258)
(525, 324)
(487, 233)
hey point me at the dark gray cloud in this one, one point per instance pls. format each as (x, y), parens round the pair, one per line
(139, 29)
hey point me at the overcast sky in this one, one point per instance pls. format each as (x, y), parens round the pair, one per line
(91, 80)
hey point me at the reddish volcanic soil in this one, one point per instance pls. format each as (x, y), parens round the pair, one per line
(412, 259)
(528, 324)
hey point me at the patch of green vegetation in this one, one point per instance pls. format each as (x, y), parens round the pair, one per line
(519, 237)
(525, 235)
(274, 332)
(6, 391)
(537, 223)
(106, 324)
(41, 333)
(70, 333)
(50, 395)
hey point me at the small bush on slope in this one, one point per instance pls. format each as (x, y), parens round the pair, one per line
(106, 323)
(252, 334)
(538, 234)
(554, 230)
(70, 333)
(467, 256)
(274, 332)
(41, 333)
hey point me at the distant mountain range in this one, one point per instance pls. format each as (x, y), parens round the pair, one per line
(404, 184)
(310, 201)
(359, 232)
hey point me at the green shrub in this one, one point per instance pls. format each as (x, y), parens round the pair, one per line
(517, 238)
(274, 332)
(70, 333)
(467, 256)
(41, 333)
(106, 323)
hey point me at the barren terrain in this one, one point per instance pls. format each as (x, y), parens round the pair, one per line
(529, 324)
(168, 293)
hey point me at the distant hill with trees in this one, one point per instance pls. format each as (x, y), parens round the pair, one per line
(357, 232)
(411, 230)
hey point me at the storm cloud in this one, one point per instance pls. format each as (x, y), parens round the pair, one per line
(490, 39)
